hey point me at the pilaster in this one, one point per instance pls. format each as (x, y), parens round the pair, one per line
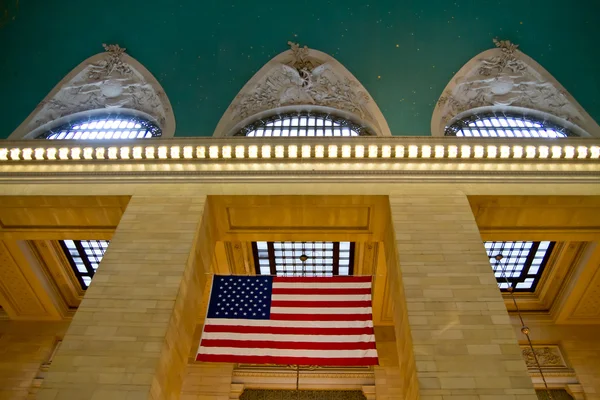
(458, 330)
(132, 333)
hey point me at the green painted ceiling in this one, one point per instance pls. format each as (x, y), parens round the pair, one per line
(202, 52)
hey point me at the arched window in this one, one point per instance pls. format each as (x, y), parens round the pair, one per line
(106, 126)
(303, 124)
(498, 124)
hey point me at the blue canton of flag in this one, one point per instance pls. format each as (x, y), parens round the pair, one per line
(241, 297)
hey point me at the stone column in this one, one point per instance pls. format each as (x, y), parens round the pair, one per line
(449, 313)
(131, 335)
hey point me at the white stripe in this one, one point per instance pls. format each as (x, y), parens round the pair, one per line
(332, 310)
(321, 297)
(289, 352)
(288, 338)
(290, 324)
(321, 285)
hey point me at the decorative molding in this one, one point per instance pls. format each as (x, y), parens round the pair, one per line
(107, 82)
(259, 394)
(302, 79)
(548, 357)
(506, 79)
(20, 298)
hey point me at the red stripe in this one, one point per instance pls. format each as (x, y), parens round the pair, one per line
(269, 344)
(288, 331)
(327, 291)
(320, 317)
(316, 279)
(331, 362)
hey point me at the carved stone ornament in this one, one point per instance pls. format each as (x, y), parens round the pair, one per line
(505, 77)
(257, 394)
(547, 356)
(107, 81)
(302, 77)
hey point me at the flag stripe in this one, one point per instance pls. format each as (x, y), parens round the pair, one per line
(320, 297)
(268, 344)
(286, 330)
(320, 317)
(289, 324)
(320, 304)
(309, 310)
(327, 291)
(286, 337)
(334, 279)
(330, 361)
(288, 352)
(321, 285)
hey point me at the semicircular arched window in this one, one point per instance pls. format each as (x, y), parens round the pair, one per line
(104, 127)
(303, 124)
(505, 125)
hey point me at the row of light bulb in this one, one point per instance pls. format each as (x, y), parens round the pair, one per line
(295, 151)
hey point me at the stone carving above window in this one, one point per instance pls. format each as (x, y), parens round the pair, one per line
(109, 81)
(299, 79)
(547, 356)
(505, 78)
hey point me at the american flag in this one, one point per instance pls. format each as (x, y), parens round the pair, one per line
(289, 320)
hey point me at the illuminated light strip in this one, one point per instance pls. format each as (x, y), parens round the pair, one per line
(265, 151)
(226, 151)
(306, 151)
(478, 151)
(239, 151)
(425, 151)
(346, 151)
(150, 152)
(452, 151)
(162, 152)
(63, 153)
(359, 151)
(27, 153)
(14, 154)
(39, 154)
(373, 151)
(413, 151)
(399, 151)
(386, 151)
(319, 151)
(439, 151)
(332, 151)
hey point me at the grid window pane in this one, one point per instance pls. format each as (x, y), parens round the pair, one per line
(303, 124)
(518, 265)
(103, 127)
(498, 124)
(84, 257)
(304, 258)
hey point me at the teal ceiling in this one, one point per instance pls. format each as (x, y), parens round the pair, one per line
(202, 52)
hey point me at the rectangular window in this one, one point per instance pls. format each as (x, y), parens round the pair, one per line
(84, 257)
(518, 265)
(304, 258)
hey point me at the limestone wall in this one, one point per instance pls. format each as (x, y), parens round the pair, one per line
(24, 347)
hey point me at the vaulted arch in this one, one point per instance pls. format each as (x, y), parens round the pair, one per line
(506, 81)
(107, 86)
(306, 81)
